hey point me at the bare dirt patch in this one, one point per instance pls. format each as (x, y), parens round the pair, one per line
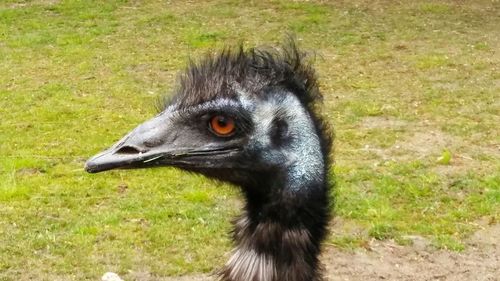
(375, 122)
(420, 140)
(424, 141)
(389, 261)
(385, 260)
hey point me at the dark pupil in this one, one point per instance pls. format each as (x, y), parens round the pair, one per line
(221, 120)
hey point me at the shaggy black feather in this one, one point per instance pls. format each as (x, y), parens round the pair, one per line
(287, 226)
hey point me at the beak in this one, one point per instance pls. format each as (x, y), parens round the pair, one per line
(160, 142)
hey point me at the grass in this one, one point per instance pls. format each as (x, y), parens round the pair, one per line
(412, 89)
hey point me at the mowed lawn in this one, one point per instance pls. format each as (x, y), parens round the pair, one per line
(412, 89)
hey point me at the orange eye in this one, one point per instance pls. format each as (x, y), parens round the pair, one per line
(221, 125)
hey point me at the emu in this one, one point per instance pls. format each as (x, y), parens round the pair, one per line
(248, 117)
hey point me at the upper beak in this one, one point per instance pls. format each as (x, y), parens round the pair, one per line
(159, 142)
(141, 146)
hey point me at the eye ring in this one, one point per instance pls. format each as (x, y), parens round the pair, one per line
(222, 125)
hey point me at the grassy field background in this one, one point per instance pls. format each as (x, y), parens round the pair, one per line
(412, 89)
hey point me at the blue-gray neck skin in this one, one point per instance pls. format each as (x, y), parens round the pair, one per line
(278, 236)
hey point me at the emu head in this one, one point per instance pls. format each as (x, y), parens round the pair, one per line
(238, 116)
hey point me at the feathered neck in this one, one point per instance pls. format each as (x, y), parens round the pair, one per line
(279, 234)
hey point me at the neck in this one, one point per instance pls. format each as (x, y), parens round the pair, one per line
(278, 236)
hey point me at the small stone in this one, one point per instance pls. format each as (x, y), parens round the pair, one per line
(111, 276)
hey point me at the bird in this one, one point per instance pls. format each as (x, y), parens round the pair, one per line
(250, 117)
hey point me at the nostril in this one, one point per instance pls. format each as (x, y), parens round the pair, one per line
(128, 150)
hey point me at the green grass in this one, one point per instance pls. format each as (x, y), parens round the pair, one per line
(411, 88)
